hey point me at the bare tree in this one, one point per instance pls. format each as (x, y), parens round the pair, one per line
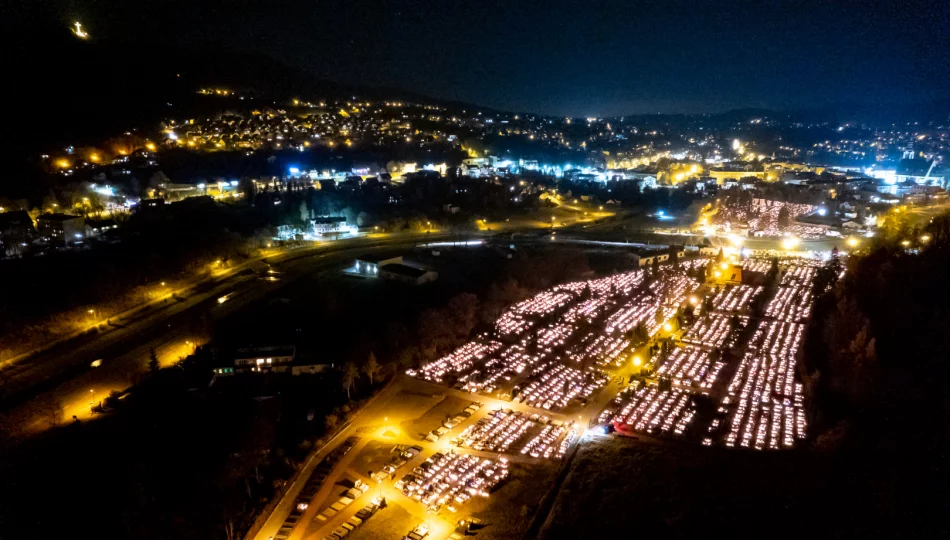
(51, 410)
(230, 531)
(463, 313)
(350, 373)
(330, 421)
(153, 364)
(371, 367)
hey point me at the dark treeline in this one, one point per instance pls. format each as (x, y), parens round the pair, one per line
(183, 458)
(179, 240)
(876, 371)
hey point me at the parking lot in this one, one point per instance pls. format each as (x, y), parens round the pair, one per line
(552, 367)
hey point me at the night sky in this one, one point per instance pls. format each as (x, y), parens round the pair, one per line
(569, 58)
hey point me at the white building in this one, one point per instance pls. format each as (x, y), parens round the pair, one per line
(330, 225)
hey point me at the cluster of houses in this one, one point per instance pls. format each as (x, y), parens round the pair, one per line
(20, 233)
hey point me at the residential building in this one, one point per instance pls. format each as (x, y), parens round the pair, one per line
(264, 359)
(16, 231)
(270, 359)
(61, 229)
(97, 227)
(151, 203)
(328, 225)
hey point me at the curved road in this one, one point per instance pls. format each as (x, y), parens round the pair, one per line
(63, 376)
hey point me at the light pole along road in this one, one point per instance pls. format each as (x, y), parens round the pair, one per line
(66, 374)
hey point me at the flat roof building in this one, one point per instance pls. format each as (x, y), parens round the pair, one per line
(270, 359)
(61, 229)
(407, 274)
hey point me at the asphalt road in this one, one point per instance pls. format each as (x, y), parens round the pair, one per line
(64, 374)
(379, 421)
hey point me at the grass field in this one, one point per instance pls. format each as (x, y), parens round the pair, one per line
(433, 418)
(390, 522)
(687, 492)
(509, 510)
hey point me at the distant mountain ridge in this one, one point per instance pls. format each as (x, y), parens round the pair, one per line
(100, 88)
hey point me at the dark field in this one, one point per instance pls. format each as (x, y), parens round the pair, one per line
(621, 486)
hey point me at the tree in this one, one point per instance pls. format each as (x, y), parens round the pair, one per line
(408, 356)
(463, 312)
(586, 294)
(734, 321)
(248, 189)
(434, 329)
(330, 421)
(371, 367)
(784, 218)
(641, 333)
(153, 365)
(51, 409)
(350, 373)
(827, 276)
(113, 398)
(771, 277)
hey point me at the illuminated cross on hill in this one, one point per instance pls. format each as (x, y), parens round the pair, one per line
(79, 31)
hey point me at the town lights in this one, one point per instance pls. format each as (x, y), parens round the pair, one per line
(637, 361)
(667, 327)
(905, 243)
(853, 242)
(693, 300)
(925, 238)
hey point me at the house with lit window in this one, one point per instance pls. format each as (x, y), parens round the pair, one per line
(270, 359)
(61, 229)
(275, 359)
(16, 232)
(331, 225)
